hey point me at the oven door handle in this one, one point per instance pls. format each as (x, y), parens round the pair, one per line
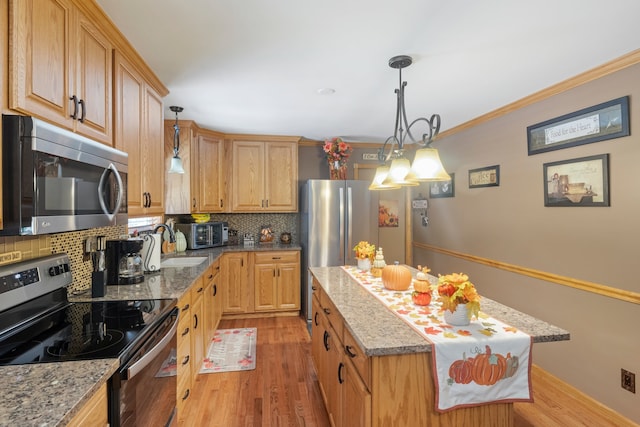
(153, 353)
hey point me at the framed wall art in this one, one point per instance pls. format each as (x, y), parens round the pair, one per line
(598, 123)
(577, 182)
(442, 188)
(484, 177)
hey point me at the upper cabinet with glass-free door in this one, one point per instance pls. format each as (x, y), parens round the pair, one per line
(61, 67)
(264, 173)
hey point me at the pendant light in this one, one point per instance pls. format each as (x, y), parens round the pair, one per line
(426, 165)
(176, 161)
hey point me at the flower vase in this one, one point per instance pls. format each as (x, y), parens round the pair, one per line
(364, 264)
(458, 317)
(337, 171)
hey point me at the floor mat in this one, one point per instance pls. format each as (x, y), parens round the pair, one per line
(231, 350)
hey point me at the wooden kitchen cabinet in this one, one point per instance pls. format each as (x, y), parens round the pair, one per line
(139, 132)
(264, 174)
(94, 412)
(61, 67)
(340, 365)
(277, 281)
(198, 327)
(183, 355)
(236, 295)
(202, 188)
(212, 302)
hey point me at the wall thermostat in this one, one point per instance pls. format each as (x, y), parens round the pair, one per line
(420, 204)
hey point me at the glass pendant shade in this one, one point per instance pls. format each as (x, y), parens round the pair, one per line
(398, 173)
(379, 178)
(428, 167)
(176, 164)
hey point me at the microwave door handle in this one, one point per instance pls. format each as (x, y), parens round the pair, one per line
(153, 353)
(120, 192)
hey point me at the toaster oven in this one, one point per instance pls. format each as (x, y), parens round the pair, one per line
(205, 234)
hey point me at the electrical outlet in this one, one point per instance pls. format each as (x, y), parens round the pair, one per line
(628, 380)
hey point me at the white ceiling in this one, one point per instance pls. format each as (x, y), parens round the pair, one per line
(255, 66)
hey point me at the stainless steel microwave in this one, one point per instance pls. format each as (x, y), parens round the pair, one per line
(56, 181)
(205, 234)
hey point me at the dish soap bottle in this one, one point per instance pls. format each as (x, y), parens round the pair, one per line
(378, 264)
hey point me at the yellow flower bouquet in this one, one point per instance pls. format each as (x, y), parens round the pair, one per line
(454, 289)
(364, 250)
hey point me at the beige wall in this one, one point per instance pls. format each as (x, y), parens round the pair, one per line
(510, 224)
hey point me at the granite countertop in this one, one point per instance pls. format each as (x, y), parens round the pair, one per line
(50, 394)
(380, 332)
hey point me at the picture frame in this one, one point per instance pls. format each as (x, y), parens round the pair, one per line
(598, 123)
(484, 177)
(577, 182)
(442, 188)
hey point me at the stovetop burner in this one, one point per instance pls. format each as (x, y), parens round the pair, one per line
(49, 328)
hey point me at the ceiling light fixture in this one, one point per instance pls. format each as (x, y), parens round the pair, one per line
(176, 161)
(426, 164)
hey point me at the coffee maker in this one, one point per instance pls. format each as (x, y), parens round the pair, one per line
(124, 263)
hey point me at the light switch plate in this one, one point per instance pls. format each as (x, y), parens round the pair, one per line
(420, 204)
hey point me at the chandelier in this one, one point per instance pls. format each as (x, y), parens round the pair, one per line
(426, 163)
(176, 161)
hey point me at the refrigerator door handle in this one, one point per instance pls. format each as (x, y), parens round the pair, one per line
(349, 223)
(341, 227)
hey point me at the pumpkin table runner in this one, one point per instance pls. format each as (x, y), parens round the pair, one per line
(485, 362)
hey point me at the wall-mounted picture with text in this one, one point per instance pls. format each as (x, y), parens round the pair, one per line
(577, 182)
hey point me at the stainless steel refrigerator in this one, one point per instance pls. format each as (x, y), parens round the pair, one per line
(334, 216)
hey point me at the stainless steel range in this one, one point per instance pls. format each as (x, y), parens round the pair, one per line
(39, 324)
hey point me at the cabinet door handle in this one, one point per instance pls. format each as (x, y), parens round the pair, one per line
(326, 311)
(347, 349)
(185, 308)
(315, 318)
(149, 203)
(195, 320)
(276, 257)
(325, 340)
(185, 360)
(221, 203)
(313, 288)
(185, 332)
(194, 202)
(200, 289)
(186, 395)
(74, 98)
(210, 277)
(340, 367)
(267, 201)
(81, 104)
(215, 289)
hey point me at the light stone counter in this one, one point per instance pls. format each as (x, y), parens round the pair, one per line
(50, 394)
(380, 332)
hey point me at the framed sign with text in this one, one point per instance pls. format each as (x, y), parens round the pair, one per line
(598, 123)
(484, 177)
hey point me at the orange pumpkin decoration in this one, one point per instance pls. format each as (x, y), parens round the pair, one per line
(488, 368)
(461, 371)
(396, 277)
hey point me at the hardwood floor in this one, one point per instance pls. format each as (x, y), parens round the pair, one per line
(283, 389)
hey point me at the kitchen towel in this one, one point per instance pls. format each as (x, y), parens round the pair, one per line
(485, 362)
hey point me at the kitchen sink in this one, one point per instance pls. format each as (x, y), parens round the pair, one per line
(190, 261)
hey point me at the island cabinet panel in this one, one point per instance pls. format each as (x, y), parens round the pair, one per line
(212, 301)
(94, 412)
(346, 396)
(61, 67)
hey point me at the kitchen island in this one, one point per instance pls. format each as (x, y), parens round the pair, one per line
(385, 374)
(52, 394)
